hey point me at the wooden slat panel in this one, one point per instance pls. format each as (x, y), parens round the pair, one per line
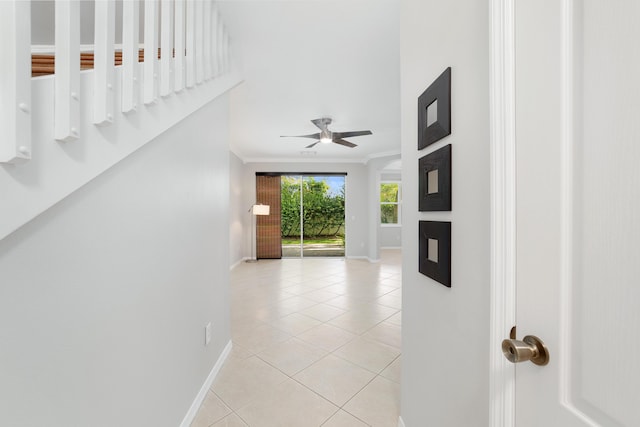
(130, 54)
(150, 46)
(166, 39)
(67, 66)
(103, 87)
(15, 81)
(179, 45)
(45, 64)
(190, 50)
(268, 232)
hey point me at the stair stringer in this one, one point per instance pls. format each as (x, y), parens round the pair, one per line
(57, 169)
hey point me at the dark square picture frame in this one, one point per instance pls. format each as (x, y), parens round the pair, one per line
(439, 270)
(439, 90)
(440, 161)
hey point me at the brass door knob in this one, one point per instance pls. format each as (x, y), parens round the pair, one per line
(530, 348)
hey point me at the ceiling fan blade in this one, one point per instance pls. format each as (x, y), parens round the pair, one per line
(313, 136)
(354, 133)
(312, 145)
(322, 123)
(345, 143)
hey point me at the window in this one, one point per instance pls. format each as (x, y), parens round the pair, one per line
(390, 200)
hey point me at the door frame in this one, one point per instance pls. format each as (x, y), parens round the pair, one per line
(502, 150)
(302, 175)
(503, 195)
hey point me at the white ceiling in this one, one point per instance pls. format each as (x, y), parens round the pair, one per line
(306, 59)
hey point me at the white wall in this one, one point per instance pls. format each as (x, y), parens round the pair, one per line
(43, 22)
(446, 331)
(390, 236)
(357, 198)
(237, 211)
(374, 169)
(104, 297)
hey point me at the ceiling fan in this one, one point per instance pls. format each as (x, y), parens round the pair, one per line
(326, 136)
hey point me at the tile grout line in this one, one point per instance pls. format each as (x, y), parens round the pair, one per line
(340, 278)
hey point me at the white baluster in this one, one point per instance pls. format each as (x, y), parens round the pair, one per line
(15, 81)
(67, 70)
(178, 63)
(226, 58)
(190, 53)
(103, 62)
(199, 41)
(206, 38)
(220, 40)
(150, 51)
(166, 51)
(130, 52)
(215, 64)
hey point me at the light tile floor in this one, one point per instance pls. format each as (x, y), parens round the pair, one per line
(316, 342)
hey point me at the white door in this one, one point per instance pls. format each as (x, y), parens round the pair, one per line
(577, 108)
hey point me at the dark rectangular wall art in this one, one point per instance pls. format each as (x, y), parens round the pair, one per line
(434, 111)
(434, 251)
(434, 181)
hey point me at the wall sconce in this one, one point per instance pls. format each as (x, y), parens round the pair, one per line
(260, 209)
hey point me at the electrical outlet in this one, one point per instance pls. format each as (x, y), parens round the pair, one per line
(207, 334)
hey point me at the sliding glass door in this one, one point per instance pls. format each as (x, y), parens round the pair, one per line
(312, 215)
(291, 218)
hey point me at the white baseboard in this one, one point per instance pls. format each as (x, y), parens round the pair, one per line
(235, 264)
(363, 257)
(195, 406)
(400, 422)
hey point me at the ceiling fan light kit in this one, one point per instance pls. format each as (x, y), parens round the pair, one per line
(325, 136)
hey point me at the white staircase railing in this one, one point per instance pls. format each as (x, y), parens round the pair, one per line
(67, 66)
(15, 81)
(186, 65)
